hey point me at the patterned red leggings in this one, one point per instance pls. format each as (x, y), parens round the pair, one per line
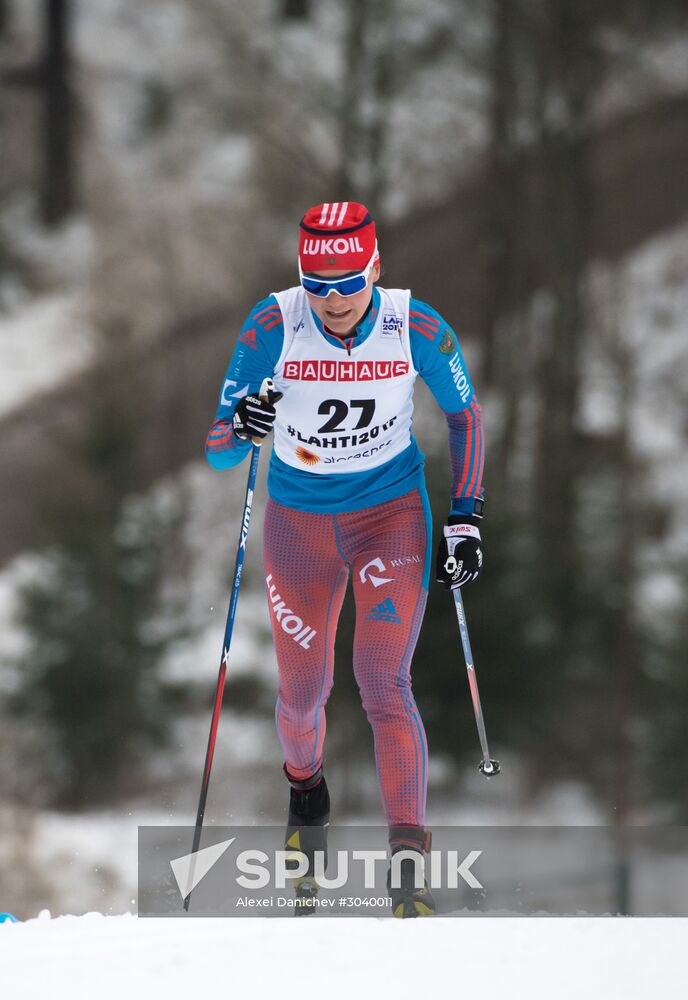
(307, 563)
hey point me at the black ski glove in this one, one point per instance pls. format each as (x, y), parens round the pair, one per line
(255, 415)
(459, 555)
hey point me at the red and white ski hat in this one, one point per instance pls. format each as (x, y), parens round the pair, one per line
(337, 236)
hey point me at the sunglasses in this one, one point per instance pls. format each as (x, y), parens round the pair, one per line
(349, 284)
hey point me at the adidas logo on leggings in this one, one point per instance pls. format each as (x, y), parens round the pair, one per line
(291, 623)
(385, 612)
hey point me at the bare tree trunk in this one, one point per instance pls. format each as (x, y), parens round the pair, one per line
(567, 77)
(370, 73)
(295, 10)
(58, 194)
(351, 132)
(625, 653)
(384, 79)
(502, 197)
(4, 17)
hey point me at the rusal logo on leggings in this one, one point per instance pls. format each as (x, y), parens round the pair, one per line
(291, 623)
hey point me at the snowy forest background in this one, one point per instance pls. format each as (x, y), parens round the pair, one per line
(527, 162)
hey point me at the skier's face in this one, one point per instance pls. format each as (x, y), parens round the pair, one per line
(340, 313)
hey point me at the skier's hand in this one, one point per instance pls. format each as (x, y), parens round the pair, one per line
(255, 415)
(459, 554)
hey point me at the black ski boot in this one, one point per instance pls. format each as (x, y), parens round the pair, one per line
(309, 817)
(407, 900)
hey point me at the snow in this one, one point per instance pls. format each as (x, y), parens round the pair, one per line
(41, 345)
(112, 957)
(654, 70)
(14, 640)
(640, 305)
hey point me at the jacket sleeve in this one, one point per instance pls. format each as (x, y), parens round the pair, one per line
(440, 363)
(255, 357)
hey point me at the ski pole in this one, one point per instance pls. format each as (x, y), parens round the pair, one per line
(265, 390)
(488, 766)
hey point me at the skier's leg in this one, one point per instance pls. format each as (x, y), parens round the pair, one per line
(391, 569)
(306, 580)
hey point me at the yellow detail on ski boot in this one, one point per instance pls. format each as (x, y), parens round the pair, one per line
(292, 861)
(413, 908)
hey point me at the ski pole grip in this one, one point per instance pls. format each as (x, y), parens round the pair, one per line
(266, 394)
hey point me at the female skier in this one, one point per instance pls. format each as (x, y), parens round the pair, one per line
(347, 496)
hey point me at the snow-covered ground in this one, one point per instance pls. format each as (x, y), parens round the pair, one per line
(486, 959)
